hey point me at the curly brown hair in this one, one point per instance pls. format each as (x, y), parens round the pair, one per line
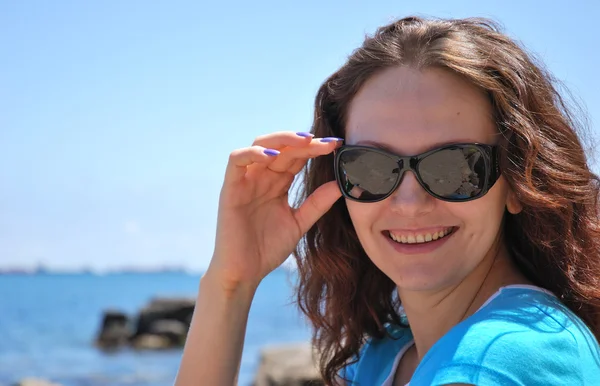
(555, 240)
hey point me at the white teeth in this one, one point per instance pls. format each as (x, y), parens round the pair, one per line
(419, 238)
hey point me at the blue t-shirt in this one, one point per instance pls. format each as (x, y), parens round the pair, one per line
(523, 335)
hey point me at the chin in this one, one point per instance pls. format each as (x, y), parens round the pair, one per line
(422, 279)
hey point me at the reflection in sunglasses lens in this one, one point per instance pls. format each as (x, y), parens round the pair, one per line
(366, 174)
(455, 173)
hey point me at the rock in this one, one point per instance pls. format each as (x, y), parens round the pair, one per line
(171, 303)
(288, 365)
(174, 315)
(115, 330)
(151, 342)
(162, 323)
(174, 330)
(35, 382)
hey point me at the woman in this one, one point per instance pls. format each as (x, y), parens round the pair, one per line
(466, 249)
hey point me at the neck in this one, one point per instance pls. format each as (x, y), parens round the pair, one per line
(432, 314)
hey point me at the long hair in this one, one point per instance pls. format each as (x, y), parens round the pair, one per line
(554, 241)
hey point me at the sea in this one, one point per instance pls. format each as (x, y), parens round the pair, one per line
(48, 323)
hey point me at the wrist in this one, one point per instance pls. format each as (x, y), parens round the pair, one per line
(213, 284)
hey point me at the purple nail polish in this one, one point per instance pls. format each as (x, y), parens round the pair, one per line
(271, 152)
(331, 139)
(305, 134)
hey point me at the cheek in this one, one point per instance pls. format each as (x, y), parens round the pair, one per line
(363, 217)
(361, 214)
(482, 217)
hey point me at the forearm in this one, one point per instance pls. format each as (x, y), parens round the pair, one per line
(213, 348)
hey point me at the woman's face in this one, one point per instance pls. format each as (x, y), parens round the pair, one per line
(409, 112)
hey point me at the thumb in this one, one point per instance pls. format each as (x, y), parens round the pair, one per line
(316, 205)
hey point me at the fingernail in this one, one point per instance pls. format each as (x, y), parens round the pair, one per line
(271, 152)
(305, 134)
(331, 139)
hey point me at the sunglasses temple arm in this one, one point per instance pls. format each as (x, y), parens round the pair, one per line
(495, 159)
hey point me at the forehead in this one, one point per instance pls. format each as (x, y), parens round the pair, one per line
(412, 111)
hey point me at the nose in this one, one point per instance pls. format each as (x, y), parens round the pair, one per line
(410, 199)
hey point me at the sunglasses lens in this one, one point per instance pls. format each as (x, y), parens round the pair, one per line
(454, 173)
(366, 174)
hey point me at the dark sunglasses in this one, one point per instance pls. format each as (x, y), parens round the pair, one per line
(454, 173)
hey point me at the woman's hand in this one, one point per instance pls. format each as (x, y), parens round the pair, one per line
(256, 228)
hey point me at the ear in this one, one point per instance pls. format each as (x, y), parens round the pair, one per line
(513, 205)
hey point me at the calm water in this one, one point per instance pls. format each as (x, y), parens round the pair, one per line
(48, 324)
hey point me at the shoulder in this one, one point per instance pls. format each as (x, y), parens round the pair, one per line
(521, 337)
(376, 359)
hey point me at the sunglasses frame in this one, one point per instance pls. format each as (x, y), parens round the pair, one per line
(411, 163)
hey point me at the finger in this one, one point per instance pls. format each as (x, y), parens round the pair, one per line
(240, 159)
(288, 158)
(298, 165)
(282, 139)
(316, 205)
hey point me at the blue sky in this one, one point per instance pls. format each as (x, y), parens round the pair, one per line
(117, 117)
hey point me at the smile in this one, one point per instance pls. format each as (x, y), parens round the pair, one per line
(419, 237)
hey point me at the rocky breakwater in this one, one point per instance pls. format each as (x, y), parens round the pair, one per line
(288, 365)
(162, 324)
